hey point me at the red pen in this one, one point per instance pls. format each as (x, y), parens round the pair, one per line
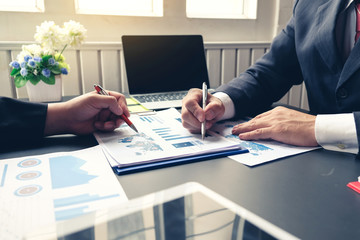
(101, 91)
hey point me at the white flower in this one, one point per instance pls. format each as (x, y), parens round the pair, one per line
(50, 36)
(54, 38)
(74, 32)
(21, 55)
(32, 49)
(45, 59)
(47, 51)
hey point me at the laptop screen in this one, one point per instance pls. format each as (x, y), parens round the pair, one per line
(164, 63)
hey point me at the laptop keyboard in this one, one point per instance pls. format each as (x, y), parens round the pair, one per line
(159, 97)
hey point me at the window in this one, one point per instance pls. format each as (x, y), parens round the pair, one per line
(233, 9)
(22, 5)
(120, 7)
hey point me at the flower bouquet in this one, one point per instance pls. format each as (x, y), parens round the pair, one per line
(45, 60)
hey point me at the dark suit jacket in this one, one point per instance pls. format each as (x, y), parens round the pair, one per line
(306, 50)
(21, 123)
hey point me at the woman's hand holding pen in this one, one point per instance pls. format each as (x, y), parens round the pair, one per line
(86, 114)
(193, 115)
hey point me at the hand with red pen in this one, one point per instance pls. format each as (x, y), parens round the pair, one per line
(101, 91)
(86, 114)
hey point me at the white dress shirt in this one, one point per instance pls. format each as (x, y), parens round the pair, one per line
(335, 132)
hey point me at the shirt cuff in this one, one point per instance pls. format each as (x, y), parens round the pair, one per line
(228, 104)
(337, 132)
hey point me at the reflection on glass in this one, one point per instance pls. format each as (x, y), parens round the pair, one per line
(194, 217)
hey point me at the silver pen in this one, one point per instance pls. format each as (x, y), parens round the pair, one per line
(204, 99)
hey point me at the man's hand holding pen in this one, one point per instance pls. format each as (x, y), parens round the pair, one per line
(193, 115)
(280, 124)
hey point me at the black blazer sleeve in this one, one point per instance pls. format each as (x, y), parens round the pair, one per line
(21, 123)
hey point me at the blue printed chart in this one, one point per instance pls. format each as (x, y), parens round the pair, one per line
(40, 190)
(259, 151)
(161, 137)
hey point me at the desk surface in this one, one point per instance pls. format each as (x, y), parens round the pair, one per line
(305, 195)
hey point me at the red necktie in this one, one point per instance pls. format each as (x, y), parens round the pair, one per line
(357, 9)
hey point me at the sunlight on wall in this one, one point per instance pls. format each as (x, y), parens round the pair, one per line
(234, 9)
(22, 5)
(120, 7)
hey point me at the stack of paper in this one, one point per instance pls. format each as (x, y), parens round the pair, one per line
(161, 138)
(40, 190)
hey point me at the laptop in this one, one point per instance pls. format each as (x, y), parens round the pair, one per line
(162, 68)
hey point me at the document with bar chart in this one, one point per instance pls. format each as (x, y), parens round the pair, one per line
(40, 190)
(161, 138)
(259, 151)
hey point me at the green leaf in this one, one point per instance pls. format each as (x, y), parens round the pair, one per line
(20, 81)
(15, 72)
(30, 76)
(34, 80)
(56, 70)
(43, 78)
(46, 58)
(50, 80)
(59, 57)
(64, 65)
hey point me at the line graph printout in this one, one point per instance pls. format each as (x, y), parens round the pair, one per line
(40, 190)
(161, 137)
(259, 151)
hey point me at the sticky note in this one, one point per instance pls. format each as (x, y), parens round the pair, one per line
(131, 101)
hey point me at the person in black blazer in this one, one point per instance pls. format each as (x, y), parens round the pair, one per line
(317, 46)
(23, 122)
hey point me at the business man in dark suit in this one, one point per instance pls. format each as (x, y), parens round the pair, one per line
(318, 47)
(23, 123)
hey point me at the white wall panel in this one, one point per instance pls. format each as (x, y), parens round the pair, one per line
(284, 99)
(6, 88)
(103, 63)
(295, 95)
(90, 69)
(228, 65)
(124, 82)
(111, 70)
(243, 60)
(304, 100)
(71, 82)
(213, 61)
(256, 54)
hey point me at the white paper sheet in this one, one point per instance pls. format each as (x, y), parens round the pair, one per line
(161, 136)
(259, 151)
(39, 190)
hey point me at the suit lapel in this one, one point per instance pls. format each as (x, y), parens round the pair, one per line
(352, 64)
(325, 40)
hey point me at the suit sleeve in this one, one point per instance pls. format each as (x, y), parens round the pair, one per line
(269, 79)
(21, 123)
